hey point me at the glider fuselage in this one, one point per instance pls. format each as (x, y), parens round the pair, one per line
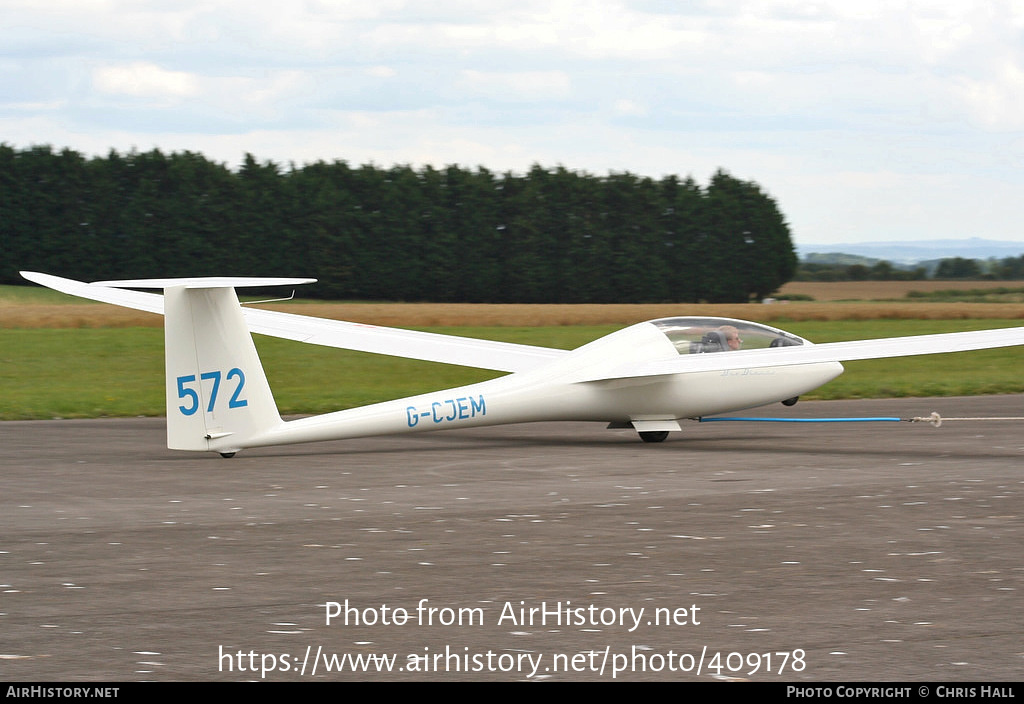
(573, 387)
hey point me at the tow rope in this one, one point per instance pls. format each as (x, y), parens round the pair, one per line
(934, 419)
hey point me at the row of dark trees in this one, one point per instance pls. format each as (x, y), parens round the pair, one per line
(399, 233)
(1006, 269)
(878, 271)
(948, 269)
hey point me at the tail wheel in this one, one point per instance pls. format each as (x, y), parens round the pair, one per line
(654, 435)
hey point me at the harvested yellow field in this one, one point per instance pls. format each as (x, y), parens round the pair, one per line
(882, 290)
(84, 315)
(97, 315)
(523, 315)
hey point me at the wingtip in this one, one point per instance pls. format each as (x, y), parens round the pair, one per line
(35, 277)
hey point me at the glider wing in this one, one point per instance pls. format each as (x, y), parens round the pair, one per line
(432, 347)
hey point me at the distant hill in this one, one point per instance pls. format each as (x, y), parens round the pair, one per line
(838, 259)
(908, 253)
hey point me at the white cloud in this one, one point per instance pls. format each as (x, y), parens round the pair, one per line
(629, 107)
(144, 80)
(996, 101)
(516, 86)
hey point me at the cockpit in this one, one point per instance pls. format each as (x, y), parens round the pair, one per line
(707, 335)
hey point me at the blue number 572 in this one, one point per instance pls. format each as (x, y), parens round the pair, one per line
(191, 395)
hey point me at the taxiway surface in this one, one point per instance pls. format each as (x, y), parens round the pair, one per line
(851, 551)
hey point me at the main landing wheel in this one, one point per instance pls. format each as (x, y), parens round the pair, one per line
(654, 435)
(227, 455)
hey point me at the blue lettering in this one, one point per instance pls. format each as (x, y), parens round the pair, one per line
(462, 408)
(215, 376)
(190, 394)
(235, 401)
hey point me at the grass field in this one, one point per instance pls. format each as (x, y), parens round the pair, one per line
(63, 358)
(882, 290)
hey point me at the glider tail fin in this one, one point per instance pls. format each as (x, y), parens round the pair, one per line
(218, 397)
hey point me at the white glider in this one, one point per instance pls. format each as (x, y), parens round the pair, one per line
(648, 376)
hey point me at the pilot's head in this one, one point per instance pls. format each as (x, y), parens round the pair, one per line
(732, 336)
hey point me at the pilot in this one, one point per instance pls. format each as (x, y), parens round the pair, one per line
(732, 336)
(722, 339)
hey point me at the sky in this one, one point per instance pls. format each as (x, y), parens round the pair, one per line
(866, 121)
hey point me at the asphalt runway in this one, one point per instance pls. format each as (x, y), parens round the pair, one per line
(888, 551)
